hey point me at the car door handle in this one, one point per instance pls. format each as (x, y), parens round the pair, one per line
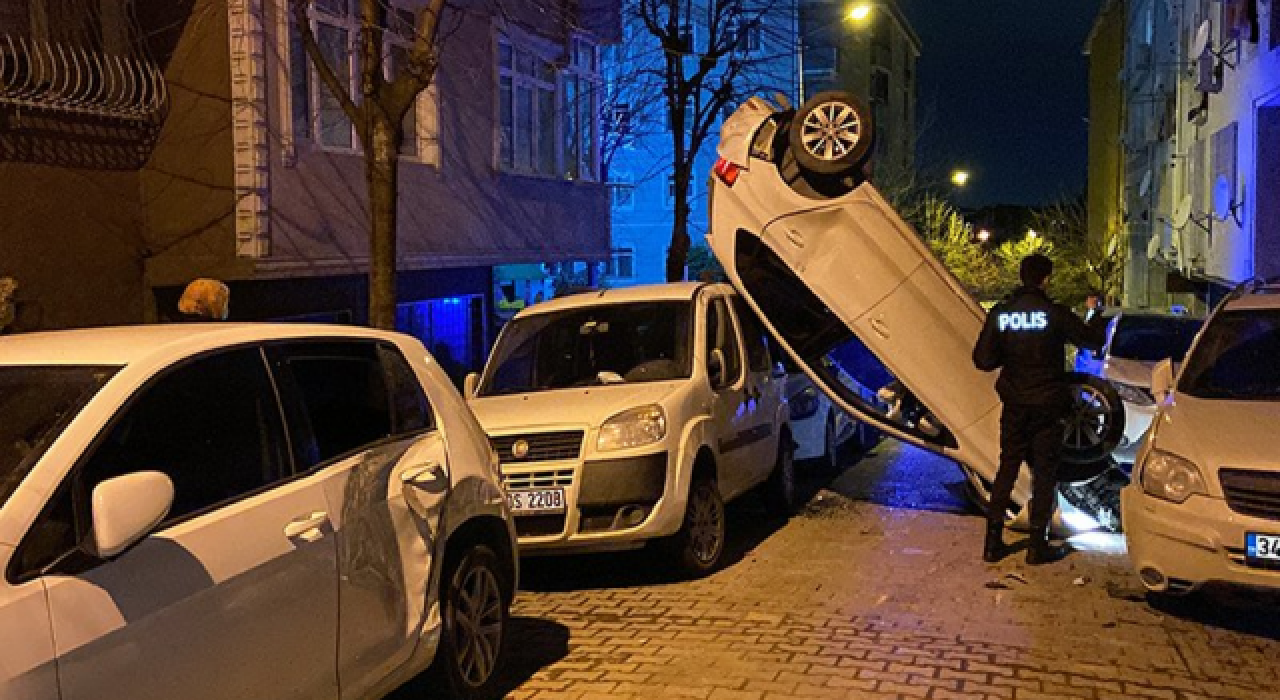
(430, 476)
(306, 527)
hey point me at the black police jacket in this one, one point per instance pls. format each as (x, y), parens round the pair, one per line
(1025, 337)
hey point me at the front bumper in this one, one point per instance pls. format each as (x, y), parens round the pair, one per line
(610, 504)
(1180, 547)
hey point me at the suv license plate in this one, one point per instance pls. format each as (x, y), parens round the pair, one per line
(1262, 548)
(536, 501)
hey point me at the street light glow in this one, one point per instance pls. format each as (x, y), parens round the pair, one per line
(984, 235)
(860, 12)
(1032, 235)
(960, 178)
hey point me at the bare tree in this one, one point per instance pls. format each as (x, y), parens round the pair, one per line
(705, 65)
(378, 116)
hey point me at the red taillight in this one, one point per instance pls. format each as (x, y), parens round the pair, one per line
(727, 172)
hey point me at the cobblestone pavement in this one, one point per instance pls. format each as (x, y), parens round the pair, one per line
(876, 590)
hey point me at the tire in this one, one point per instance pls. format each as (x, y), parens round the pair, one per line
(780, 489)
(697, 548)
(831, 134)
(467, 665)
(1093, 429)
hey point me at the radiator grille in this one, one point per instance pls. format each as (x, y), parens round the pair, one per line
(1252, 492)
(538, 447)
(538, 480)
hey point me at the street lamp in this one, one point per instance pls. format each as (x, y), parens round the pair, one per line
(983, 236)
(1032, 235)
(960, 178)
(860, 12)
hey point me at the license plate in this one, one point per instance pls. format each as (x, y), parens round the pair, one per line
(1262, 548)
(536, 501)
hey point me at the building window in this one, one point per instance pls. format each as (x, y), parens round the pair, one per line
(880, 86)
(316, 113)
(622, 263)
(623, 190)
(529, 130)
(687, 38)
(581, 105)
(747, 36)
(622, 119)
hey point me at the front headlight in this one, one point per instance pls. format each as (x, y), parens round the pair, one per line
(1170, 477)
(1134, 394)
(633, 428)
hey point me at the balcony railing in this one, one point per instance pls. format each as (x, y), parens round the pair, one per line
(46, 75)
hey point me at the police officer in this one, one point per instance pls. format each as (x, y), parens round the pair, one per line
(1025, 337)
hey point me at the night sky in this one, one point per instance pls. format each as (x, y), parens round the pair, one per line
(1003, 89)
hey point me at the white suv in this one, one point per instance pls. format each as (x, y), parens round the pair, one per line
(628, 415)
(1204, 504)
(244, 511)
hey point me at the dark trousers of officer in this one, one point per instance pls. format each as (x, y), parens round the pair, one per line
(1031, 434)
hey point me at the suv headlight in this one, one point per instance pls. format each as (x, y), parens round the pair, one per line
(1170, 477)
(1134, 394)
(633, 428)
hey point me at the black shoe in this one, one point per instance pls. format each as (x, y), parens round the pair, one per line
(993, 545)
(1044, 553)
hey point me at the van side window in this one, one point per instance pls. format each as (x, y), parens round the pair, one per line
(721, 334)
(753, 337)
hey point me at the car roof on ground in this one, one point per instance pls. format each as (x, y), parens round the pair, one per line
(672, 291)
(122, 345)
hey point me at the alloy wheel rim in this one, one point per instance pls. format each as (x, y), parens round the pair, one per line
(705, 527)
(1088, 422)
(831, 131)
(477, 628)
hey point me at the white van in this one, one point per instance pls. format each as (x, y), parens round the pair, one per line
(632, 415)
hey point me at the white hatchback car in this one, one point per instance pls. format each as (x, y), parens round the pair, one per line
(828, 265)
(244, 511)
(1204, 504)
(631, 415)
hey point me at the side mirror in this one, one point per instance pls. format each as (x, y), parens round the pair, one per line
(715, 368)
(126, 508)
(1162, 380)
(469, 385)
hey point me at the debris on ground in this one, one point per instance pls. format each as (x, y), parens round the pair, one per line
(1016, 577)
(1081, 580)
(997, 585)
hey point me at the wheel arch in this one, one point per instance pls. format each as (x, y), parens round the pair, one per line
(492, 531)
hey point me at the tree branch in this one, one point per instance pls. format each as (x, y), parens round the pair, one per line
(340, 92)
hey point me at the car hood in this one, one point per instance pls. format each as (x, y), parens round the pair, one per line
(587, 406)
(1217, 433)
(1125, 371)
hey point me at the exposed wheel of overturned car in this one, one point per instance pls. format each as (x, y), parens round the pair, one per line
(831, 134)
(1093, 428)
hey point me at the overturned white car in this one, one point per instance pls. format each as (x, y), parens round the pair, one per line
(835, 273)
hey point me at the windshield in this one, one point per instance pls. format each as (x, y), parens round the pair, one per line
(607, 344)
(1236, 358)
(1153, 338)
(36, 403)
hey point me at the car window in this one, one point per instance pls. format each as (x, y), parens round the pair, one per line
(36, 403)
(1236, 358)
(826, 345)
(753, 336)
(410, 410)
(720, 334)
(212, 425)
(1153, 338)
(338, 399)
(609, 343)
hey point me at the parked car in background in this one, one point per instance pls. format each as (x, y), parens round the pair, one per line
(821, 429)
(1204, 503)
(1136, 341)
(828, 265)
(244, 511)
(633, 415)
